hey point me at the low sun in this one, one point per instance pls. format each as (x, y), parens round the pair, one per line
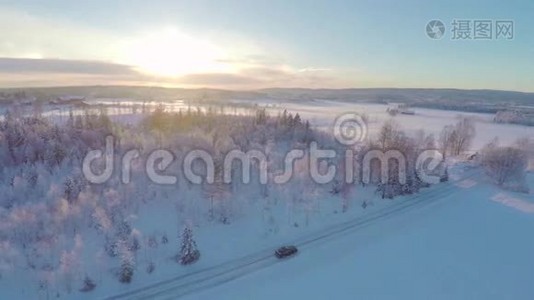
(170, 53)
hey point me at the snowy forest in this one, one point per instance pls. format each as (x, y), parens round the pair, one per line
(64, 235)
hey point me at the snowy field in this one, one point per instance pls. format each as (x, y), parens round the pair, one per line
(471, 240)
(474, 243)
(322, 113)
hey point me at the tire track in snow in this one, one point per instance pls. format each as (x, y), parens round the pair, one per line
(179, 286)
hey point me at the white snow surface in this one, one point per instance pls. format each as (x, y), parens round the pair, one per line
(322, 113)
(464, 246)
(473, 243)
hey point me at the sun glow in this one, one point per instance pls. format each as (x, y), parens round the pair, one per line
(170, 53)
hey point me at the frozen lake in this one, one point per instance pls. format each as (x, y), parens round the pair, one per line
(323, 114)
(320, 113)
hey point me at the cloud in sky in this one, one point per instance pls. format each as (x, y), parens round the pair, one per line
(48, 52)
(173, 43)
(20, 72)
(262, 77)
(49, 72)
(47, 66)
(27, 36)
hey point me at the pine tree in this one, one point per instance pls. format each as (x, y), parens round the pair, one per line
(445, 176)
(296, 121)
(88, 284)
(189, 252)
(127, 263)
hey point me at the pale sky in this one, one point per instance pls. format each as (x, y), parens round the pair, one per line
(255, 44)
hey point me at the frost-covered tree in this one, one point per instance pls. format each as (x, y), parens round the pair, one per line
(400, 154)
(506, 166)
(45, 202)
(127, 262)
(465, 133)
(188, 251)
(455, 139)
(70, 263)
(88, 284)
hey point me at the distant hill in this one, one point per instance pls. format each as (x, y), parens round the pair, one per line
(489, 101)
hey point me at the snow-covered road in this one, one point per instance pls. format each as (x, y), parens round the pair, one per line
(465, 246)
(211, 277)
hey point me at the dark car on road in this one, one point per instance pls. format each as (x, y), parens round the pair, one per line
(285, 251)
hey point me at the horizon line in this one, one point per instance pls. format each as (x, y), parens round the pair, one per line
(266, 88)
